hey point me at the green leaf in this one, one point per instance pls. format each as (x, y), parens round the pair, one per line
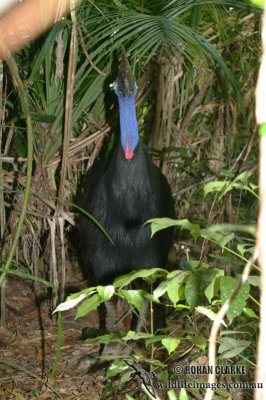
(222, 187)
(258, 3)
(131, 335)
(227, 286)
(224, 228)
(217, 186)
(196, 285)
(220, 238)
(128, 397)
(209, 313)
(233, 352)
(70, 303)
(155, 339)
(193, 295)
(116, 368)
(198, 341)
(170, 344)
(254, 280)
(157, 224)
(151, 275)
(175, 287)
(160, 290)
(214, 286)
(171, 394)
(105, 339)
(27, 276)
(90, 290)
(250, 313)
(172, 286)
(88, 305)
(46, 48)
(133, 297)
(182, 395)
(229, 343)
(106, 292)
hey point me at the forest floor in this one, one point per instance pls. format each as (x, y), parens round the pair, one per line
(28, 347)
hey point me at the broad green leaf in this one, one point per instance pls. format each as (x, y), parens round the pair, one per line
(198, 341)
(228, 285)
(90, 290)
(133, 297)
(160, 290)
(175, 287)
(254, 280)
(88, 305)
(224, 228)
(155, 338)
(116, 368)
(196, 285)
(226, 343)
(216, 186)
(250, 313)
(105, 339)
(170, 344)
(151, 275)
(221, 238)
(214, 286)
(193, 295)
(157, 224)
(106, 292)
(233, 352)
(71, 303)
(241, 249)
(182, 395)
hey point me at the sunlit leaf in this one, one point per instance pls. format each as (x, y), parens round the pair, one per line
(170, 344)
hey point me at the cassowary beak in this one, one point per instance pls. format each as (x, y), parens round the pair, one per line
(125, 83)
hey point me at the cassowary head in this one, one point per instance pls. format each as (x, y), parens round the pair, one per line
(126, 89)
(125, 84)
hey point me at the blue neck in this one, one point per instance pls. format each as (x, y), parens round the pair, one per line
(128, 123)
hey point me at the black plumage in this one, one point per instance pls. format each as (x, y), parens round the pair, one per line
(122, 193)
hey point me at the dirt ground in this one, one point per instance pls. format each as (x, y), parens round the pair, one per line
(28, 347)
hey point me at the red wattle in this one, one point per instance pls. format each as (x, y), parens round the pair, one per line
(129, 153)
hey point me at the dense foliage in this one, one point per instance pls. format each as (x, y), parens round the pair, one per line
(196, 64)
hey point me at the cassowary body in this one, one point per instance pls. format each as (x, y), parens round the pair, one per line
(122, 193)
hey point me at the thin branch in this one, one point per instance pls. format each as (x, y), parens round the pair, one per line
(85, 51)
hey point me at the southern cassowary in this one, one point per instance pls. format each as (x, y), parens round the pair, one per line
(122, 193)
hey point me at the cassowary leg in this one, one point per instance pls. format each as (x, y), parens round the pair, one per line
(143, 315)
(110, 315)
